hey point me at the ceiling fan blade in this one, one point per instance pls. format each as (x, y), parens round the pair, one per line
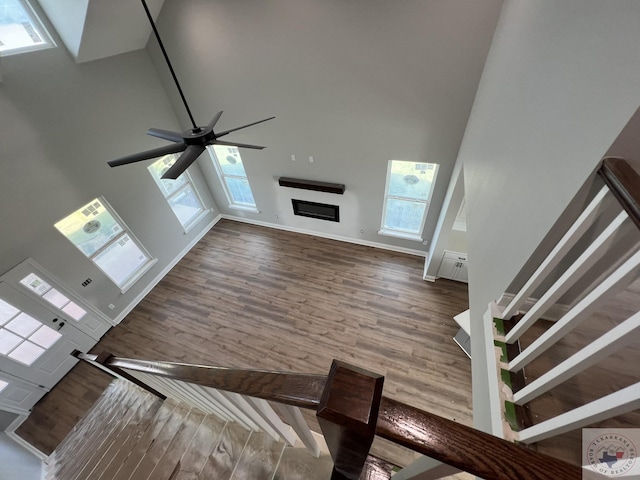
(241, 145)
(166, 134)
(213, 122)
(186, 159)
(222, 134)
(156, 152)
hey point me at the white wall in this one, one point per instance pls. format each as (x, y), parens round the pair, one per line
(59, 124)
(353, 84)
(561, 81)
(17, 463)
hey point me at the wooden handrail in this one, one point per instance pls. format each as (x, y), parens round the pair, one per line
(300, 390)
(462, 447)
(466, 448)
(624, 182)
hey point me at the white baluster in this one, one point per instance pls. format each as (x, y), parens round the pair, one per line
(579, 227)
(618, 403)
(617, 281)
(612, 341)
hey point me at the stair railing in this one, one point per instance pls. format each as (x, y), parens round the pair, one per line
(596, 255)
(351, 410)
(250, 411)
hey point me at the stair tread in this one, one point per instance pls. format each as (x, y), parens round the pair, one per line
(202, 444)
(134, 457)
(85, 450)
(127, 437)
(224, 456)
(111, 394)
(259, 458)
(152, 456)
(165, 467)
(298, 463)
(376, 469)
(116, 428)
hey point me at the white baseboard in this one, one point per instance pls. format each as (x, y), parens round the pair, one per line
(555, 312)
(366, 243)
(11, 433)
(196, 239)
(429, 278)
(164, 271)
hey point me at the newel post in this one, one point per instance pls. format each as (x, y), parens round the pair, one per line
(347, 414)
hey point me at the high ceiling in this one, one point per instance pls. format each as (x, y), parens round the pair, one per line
(93, 29)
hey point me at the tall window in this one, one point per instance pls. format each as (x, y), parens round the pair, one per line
(407, 197)
(231, 171)
(98, 232)
(20, 29)
(180, 193)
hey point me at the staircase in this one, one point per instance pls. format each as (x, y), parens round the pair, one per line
(132, 434)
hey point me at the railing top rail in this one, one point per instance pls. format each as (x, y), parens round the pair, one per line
(466, 448)
(624, 182)
(300, 390)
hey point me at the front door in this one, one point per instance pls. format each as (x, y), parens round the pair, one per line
(35, 343)
(42, 287)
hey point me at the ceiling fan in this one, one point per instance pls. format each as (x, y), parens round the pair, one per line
(191, 142)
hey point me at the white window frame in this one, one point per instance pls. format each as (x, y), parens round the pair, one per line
(40, 29)
(193, 221)
(403, 233)
(140, 271)
(223, 179)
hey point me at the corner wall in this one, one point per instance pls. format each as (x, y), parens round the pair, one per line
(560, 82)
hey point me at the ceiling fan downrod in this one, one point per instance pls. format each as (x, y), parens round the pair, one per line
(196, 129)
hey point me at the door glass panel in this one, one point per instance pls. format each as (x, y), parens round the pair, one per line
(25, 338)
(8, 341)
(7, 312)
(55, 298)
(45, 336)
(35, 283)
(27, 353)
(24, 325)
(74, 311)
(3, 385)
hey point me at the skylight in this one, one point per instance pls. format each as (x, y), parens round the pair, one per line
(20, 29)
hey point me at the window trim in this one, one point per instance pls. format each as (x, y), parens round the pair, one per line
(193, 221)
(40, 28)
(223, 179)
(404, 233)
(135, 276)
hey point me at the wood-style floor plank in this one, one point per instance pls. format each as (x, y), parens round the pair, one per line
(249, 296)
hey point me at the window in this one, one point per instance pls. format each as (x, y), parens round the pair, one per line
(230, 169)
(98, 232)
(407, 197)
(20, 29)
(180, 193)
(22, 337)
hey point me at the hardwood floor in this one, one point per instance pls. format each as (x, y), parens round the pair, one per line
(249, 296)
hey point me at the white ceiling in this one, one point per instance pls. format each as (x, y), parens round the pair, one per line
(86, 27)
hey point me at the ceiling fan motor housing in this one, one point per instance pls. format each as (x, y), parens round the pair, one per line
(199, 136)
